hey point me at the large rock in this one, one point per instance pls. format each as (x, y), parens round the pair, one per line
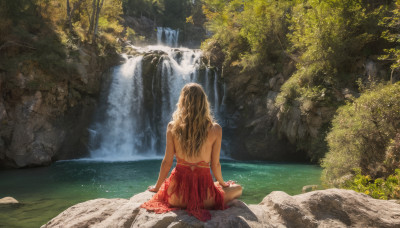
(325, 208)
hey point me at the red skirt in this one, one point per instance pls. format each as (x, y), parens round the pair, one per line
(191, 186)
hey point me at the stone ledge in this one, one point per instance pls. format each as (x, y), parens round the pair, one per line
(324, 208)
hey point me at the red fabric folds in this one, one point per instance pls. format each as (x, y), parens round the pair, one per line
(193, 183)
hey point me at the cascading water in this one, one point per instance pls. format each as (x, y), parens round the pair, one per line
(167, 36)
(139, 102)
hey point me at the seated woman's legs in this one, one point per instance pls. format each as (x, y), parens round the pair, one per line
(232, 192)
(174, 200)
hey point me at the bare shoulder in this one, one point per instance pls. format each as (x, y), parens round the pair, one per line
(169, 126)
(216, 129)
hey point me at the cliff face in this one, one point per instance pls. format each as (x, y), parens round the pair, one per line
(45, 117)
(260, 128)
(251, 117)
(251, 121)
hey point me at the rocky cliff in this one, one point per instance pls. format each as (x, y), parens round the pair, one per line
(44, 117)
(259, 127)
(325, 208)
(251, 121)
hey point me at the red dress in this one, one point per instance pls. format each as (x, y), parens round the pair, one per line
(192, 182)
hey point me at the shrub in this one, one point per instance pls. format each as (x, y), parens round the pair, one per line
(363, 136)
(379, 188)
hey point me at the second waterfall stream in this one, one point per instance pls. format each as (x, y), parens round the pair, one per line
(138, 102)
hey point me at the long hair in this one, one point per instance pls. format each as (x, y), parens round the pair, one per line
(192, 119)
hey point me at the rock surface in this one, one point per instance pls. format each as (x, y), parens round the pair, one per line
(324, 208)
(45, 117)
(8, 200)
(251, 121)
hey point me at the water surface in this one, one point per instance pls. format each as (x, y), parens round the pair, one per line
(45, 192)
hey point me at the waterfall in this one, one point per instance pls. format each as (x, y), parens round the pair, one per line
(216, 96)
(132, 117)
(117, 134)
(167, 36)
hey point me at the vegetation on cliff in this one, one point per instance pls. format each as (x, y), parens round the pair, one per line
(336, 47)
(250, 33)
(329, 41)
(49, 33)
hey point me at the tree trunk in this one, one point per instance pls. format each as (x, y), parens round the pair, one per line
(99, 6)
(92, 18)
(69, 16)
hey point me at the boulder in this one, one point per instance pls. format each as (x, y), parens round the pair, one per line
(323, 208)
(8, 200)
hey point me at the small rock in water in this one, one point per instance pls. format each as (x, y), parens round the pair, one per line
(309, 188)
(8, 200)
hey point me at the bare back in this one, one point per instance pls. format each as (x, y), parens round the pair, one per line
(209, 151)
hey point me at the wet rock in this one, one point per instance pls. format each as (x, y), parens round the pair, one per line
(324, 208)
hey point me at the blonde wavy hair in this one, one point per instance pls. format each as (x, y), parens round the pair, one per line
(192, 119)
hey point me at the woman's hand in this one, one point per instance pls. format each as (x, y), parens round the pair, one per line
(224, 184)
(152, 189)
(227, 184)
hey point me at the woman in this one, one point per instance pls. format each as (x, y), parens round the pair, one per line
(195, 140)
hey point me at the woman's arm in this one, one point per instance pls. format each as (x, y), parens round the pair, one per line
(167, 161)
(215, 154)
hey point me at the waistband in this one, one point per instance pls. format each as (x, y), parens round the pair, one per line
(193, 165)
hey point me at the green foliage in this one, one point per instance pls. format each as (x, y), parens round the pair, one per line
(391, 34)
(37, 34)
(392, 159)
(28, 37)
(329, 37)
(379, 188)
(110, 18)
(251, 33)
(132, 36)
(326, 39)
(363, 135)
